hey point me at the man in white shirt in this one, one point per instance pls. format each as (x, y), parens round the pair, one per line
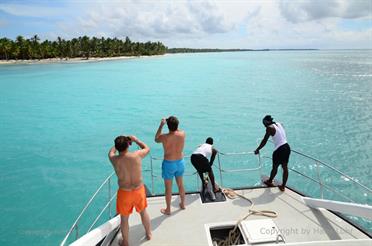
(199, 159)
(281, 152)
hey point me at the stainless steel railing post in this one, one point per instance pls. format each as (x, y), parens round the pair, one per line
(77, 232)
(319, 180)
(219, 167)
(197, 182)
(152, 177)
(109, 197)
(260, 164)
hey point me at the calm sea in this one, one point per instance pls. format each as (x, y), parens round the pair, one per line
(58, 121)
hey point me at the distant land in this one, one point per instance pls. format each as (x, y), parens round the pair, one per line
(194, 50)
(82, 47)
(25, 50)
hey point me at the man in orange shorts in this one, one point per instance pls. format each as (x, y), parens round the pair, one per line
(131, 192)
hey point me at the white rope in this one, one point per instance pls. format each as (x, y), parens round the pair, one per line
(233, 238)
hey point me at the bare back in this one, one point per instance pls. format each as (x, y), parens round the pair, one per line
(128, 168)
(173, 143)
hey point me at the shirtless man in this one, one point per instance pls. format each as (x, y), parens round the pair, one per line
(131, 192)
(173, 164)
(281, 152)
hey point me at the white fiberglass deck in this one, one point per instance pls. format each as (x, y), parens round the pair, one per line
(296, 222)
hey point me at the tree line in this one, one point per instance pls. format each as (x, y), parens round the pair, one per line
(84, 47)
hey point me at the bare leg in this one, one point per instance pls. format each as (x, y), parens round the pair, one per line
(181, 190)
(211, 177)
(202, 180)
(285, 176)
(124, 226)
(146, 223)
(168, 196)
(201, 177)
(274, 171)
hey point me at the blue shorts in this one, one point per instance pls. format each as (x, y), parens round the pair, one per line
(172, 169)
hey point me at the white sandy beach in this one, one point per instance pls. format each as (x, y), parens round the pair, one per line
(72, 60)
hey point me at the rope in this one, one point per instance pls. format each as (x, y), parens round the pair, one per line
(233, 238)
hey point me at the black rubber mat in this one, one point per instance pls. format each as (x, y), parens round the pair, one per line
(208, 196)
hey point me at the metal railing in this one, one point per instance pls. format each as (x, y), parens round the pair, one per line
(221, 170)
(319, 164)
(75, 225)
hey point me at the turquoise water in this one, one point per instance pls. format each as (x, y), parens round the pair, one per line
(58, 122)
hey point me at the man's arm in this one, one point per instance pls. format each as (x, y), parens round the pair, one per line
(112, 153)
(144, 148)
(158, 135)
(264, 140)
(213, 156)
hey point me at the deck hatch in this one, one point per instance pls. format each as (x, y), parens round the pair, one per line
(220, 231)
(261, 231)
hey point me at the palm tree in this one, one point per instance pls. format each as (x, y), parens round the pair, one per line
(93, 46)
(5, 47)
(28, 49)
(35, 46)
(22, 48)
(60, 47)
(21, 44)
(44, 49)
(85, 46)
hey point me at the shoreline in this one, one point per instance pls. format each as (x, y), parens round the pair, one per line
(71, 60)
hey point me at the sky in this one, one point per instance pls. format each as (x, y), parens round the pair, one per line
(250, 24)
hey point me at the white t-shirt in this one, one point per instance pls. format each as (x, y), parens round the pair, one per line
(205, 150)
(279, 138)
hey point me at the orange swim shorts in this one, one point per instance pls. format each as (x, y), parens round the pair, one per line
(126, 200)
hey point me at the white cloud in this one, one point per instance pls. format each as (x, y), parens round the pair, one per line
(156, 19)
(305, 10)
(29, 10)
(227, 24)
(268, 27)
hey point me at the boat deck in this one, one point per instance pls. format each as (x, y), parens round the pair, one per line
(296, 222)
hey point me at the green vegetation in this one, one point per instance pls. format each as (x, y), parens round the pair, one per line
(85, 47)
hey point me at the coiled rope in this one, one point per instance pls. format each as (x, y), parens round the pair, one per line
(233, 238)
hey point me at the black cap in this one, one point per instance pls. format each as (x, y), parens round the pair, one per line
(209, 141)
(267, 120)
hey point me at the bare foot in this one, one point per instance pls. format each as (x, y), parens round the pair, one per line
(182, 206)
(269, 184)
(122, 243)
(282, 188)
(149, 236)
(165, 211)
